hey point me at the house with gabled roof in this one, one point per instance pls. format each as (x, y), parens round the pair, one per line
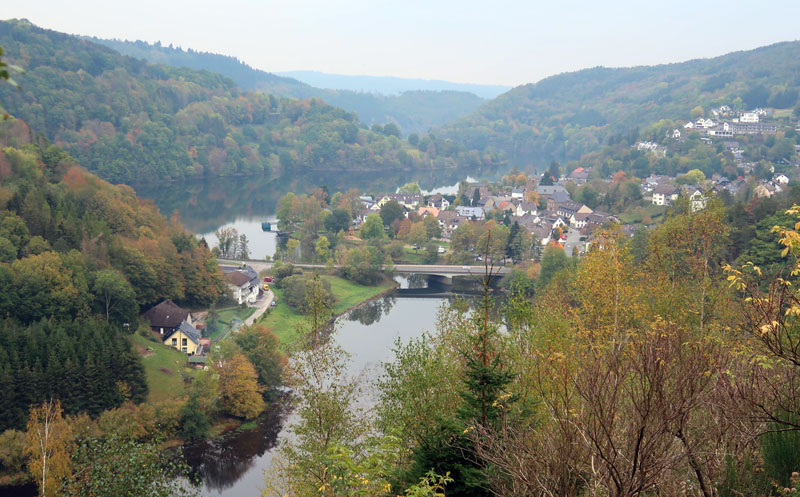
(185, 338)
(242, 286)
(166, 317)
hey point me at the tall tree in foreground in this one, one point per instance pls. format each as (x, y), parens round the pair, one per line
(240, 394)
(50, 444)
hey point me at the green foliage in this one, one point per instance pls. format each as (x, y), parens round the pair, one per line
(149, 122)
(84, 363)
(567, 116)
(261, 347)
(194, 423)
(390, 212)
(373, 228)
(299, 288)
(122, 467)
(363, 265)
(553, 260)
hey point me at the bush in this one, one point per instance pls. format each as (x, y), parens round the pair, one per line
(297, 289)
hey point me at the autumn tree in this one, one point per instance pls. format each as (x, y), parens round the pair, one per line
(50, 444)
(418, 235)
(240, 393)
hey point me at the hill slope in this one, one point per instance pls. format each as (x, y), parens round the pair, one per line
(134, 122)
(419, 106)
(564, 116)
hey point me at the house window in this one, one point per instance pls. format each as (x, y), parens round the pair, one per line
(174, 342)
(183, 342)
(183, 349)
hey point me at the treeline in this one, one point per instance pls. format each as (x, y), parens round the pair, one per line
(568, 115)
(85, 363)
(79, 258)
(130, 121)
(647, 367)
(413, 111)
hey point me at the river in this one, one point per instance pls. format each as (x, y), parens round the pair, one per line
(233, 466)
(244, 202)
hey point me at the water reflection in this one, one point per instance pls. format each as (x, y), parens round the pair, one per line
(219, 464)
(371, 312)
(205, 205)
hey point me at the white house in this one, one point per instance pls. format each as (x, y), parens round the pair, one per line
(748, 117)
(243, 288)
(664, 194)
(781, 178)
(698, 200)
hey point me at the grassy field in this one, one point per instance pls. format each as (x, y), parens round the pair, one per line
(164, 368)
(638, 214)
(225, 316)
(283, 320)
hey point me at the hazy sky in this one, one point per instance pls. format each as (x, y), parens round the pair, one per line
(493, 42)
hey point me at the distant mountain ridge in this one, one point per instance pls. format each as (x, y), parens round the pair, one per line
(135, 122)
(389, 85)
(414, 110)
(565, 116)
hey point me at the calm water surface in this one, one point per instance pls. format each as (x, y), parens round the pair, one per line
(234, 465)
(244, 203)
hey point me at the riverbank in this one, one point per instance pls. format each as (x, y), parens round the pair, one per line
(285, 321)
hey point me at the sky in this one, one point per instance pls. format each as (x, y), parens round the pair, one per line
(488, 42)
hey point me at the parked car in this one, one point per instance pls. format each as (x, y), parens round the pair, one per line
(274, 303)
(441, 249)
(268, 279)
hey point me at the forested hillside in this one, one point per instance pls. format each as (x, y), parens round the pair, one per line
(412, 111)
(78, 259)
(565, 116)
(134, 122)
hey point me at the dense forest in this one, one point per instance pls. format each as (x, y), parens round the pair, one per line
(565, 116)
(78, 259)
(414, 111)
(133, 122)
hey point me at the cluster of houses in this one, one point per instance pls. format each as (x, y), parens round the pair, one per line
(518, 204)
(740, 123)
(176, 327)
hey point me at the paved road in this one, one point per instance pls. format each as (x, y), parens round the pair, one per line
(259, 266)
(263, 304)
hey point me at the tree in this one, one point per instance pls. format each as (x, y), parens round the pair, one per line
(49, 447)
(227, 237)
(390, 211)
(476, 197)
(262, 349)
(116, 296)
(338, 220)
(243, 249)
(322, 249)
(240, 394)
(372, 228)
(418, 235)
(432, 226)
(553, 260)
(194, 423)
(123, 466)
(410, 188)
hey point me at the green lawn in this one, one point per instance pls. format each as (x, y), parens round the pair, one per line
(283, 320)
(164, 368)
(636, 214)
(225, 316)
